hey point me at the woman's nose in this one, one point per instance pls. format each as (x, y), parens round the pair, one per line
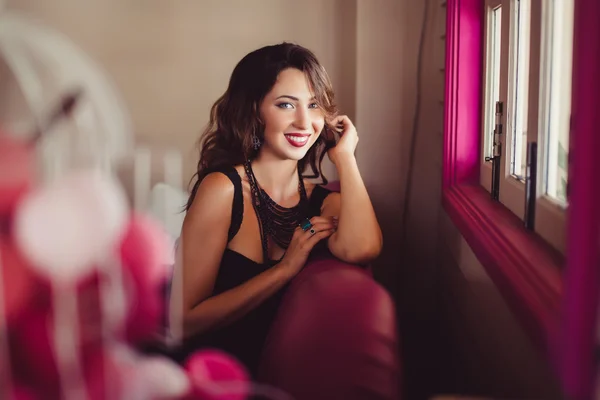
(302, 120)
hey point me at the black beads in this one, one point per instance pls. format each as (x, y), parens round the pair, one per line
(276, 222)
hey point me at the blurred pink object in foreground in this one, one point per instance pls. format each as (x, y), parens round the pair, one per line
(217, 376)
(67, 228)
(144, 250)
(60, 236)
(17, 279)
(16, 172)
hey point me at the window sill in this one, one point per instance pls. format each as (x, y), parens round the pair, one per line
(526, 270)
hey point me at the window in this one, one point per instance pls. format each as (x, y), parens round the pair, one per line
(526, 111)
(518, 89)
(558, 34)
(554, 296)
(492, 67)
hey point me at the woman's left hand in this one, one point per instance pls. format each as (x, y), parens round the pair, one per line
(348, 139)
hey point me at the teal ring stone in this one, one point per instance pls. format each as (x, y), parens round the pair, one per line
(305, 225)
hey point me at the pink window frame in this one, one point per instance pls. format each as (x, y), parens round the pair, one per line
(555, 298)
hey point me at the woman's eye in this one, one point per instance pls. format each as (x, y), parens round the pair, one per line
(313, 105)
(285, 105)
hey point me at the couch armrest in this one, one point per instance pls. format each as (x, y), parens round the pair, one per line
(335, 336)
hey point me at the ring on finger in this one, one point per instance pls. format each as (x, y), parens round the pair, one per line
(305, 224)
(312, 231)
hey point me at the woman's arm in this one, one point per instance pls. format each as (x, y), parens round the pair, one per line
(358, 238)
(203, 241)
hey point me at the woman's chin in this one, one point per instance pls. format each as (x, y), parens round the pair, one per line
(295, 154)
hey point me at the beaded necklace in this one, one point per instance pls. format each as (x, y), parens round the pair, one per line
(275, 222)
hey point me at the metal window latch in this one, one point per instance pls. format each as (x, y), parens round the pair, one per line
(496, 152)
(530, 186)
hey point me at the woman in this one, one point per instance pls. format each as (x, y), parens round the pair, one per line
(241, 241)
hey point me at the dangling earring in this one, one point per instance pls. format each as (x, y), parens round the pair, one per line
(255, 142)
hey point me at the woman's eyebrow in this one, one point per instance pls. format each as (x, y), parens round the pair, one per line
(292, 97)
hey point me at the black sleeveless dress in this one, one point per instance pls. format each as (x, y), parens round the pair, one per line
(244, 338)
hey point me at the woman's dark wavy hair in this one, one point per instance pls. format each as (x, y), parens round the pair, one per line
(227, 139)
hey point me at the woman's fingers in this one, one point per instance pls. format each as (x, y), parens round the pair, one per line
(319, 219)
(317, 224)
(314, 239)
(320, 226)
(343, 122)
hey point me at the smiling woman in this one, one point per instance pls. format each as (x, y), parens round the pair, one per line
(241, 241)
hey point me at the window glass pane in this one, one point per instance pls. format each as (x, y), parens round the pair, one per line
(493, 77)
(519, 88)
(557, 113)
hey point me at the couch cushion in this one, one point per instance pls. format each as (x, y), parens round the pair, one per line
(335, 336)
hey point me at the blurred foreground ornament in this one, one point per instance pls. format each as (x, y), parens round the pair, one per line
(81, 275)
(144, 251)
(47, 66)
(68, 229)
(217, 376)
(16, 172)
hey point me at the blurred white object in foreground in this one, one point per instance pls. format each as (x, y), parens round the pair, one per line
(46, 65)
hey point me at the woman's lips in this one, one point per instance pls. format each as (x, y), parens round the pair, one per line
(297, 139)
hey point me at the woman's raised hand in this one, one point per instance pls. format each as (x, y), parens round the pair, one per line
(348, 139)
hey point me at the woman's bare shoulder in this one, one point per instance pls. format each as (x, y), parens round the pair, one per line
(215, 194)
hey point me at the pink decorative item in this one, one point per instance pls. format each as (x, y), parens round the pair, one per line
(71, 253)
(17, 280)
(33, 341)
(162, 378)
(64, 230)
(105, 377)
(33, 353)
(20, 392)
(104, 195)
(16, 172)
(143, 250)
(91, 320)
(217, 376)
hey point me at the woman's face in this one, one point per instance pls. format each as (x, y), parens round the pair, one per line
(291, 117)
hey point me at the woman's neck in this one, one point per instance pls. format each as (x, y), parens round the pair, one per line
(278, 177)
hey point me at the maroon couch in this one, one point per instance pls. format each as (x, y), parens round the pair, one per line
(335, 336)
